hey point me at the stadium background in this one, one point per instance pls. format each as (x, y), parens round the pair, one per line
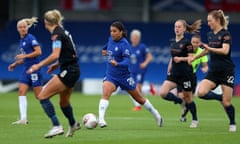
(89, 20)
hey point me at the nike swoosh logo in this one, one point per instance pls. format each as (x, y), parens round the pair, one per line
(8, 87)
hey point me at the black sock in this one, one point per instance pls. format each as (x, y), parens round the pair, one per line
(49, 110)
(185, 112)
(231, 114)
(68, 112)
(212, 96)
(171, 97)
(192, 107)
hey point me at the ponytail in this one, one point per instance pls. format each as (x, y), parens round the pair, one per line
(219, 14)
(191, 28)
(29, 21)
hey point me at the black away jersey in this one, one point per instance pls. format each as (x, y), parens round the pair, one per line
(181, 49)
(219, 62)
(68, 53)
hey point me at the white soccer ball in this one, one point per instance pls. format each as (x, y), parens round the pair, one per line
(90, 121)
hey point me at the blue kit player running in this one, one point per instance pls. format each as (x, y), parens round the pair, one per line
(30, 52)
(117, 51)
(181, 72)
(64, 56)
(222, 69)
(140, 58)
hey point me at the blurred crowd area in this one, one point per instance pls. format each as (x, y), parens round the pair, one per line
(125, 10)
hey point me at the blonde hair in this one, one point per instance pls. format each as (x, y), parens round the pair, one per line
(54, 17)
(193, 28)
(29, 21)
(218, 14)
(136, 32)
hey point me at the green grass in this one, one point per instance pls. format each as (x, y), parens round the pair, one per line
(124, 126)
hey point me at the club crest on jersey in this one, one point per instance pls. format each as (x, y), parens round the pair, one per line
(181, 46)
(209, 38)
(219, 37)
(127, 52)
(54, 37)
(138, 52)
(116, 49)
(189, 47)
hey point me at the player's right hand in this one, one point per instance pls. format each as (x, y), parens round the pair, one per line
(104, 52)
(11, 67)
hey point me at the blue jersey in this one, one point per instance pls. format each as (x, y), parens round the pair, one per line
(27, 45)
(138, 56)
(120, 52)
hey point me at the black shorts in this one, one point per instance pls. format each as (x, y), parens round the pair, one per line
(69, 75)
(186, 82)
(222, 77)
(180, 88)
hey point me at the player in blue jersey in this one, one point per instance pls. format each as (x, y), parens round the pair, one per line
(117, 75)
(30, 52)
(221, 66)
(63, 55)
(140, 58)
(181, 72)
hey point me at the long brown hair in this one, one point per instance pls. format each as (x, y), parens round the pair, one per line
(193, 28)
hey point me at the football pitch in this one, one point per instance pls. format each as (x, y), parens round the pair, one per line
(124, 125)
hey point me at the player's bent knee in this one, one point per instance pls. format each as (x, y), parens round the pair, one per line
(201, 94)
(163, 94)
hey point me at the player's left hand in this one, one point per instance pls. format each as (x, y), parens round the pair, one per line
(114, 63)
(205, 46)
(104, 52)
(177, 59)
(204, 69)
(143, 65)
(52, 67)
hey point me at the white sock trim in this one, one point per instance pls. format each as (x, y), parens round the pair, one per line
(23, 107)
(103, 105)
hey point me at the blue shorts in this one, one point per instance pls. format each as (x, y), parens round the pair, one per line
(34, 79)
(138, 77)
(125, 83)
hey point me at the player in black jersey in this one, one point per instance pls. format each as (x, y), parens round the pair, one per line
(181, 71)
(64, 55)
(221, 66)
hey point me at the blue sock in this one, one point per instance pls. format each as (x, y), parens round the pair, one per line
(49, 110)
(192, 107)
(212, 96)
(171, 97)
(68, 112)
(231, 114)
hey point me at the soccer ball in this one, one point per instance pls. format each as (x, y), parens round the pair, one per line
(90, 121)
